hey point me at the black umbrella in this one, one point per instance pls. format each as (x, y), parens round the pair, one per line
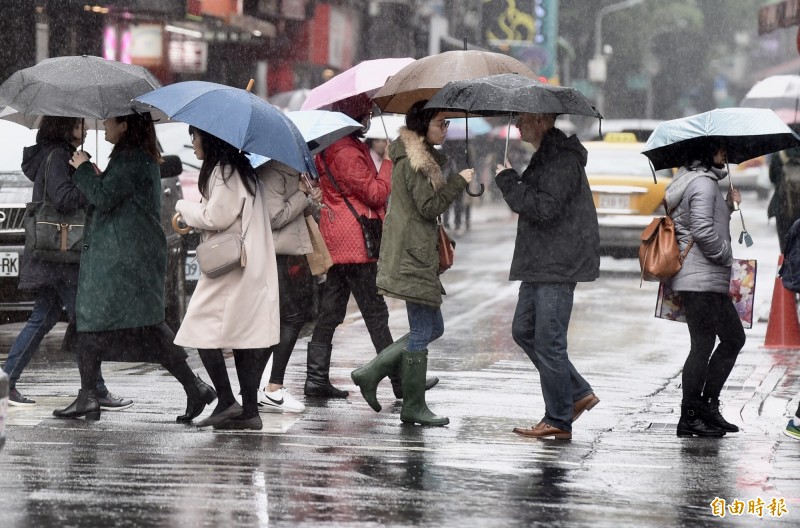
(508, 93)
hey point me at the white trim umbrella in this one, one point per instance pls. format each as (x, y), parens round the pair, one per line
(775, 92)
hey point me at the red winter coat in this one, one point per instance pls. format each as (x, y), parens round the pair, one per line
(365, 188)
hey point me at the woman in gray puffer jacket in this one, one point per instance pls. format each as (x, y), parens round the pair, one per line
(702, 219)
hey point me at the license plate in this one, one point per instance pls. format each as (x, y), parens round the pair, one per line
(614, 201)
(191, 269)
(9, 264)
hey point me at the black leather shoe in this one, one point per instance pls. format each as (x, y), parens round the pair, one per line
(231, 412)
(709, 410)
(85, 405)
(691, 424)
(241, 424)
(324, 390)
(112, 402)
(198, 395)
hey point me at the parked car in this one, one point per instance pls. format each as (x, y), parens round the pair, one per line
(16, 190)
(625, 195)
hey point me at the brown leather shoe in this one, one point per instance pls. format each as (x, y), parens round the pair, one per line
(586, 403)
(543, 430)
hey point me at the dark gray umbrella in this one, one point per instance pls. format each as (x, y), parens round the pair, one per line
(76, 86)
(510, 93)
(507, 94)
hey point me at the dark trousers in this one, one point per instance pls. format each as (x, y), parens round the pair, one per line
(295, 286)
(540, 328)
(709, 315)
(358, 279)
(152, 344)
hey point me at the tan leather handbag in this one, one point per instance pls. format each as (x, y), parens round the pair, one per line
(447, 248)
(660, 257)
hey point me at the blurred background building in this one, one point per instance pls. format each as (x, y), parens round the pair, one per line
(634, 58)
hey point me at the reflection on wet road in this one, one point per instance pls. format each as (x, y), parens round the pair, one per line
(341, 464)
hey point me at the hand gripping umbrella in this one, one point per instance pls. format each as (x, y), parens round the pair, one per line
(236, 116)
(745, 133)
(507, 94)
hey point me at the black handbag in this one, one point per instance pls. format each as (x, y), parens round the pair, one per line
(50, 235)
(372, 228)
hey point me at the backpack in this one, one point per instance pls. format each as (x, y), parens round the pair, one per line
(660, 257)
(789, 271)
(790, 186)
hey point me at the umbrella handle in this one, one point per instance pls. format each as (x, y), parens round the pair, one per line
(480, 191)
(179, 226)
(250, 85)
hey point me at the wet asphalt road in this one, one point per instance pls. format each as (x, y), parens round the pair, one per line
(341, 464)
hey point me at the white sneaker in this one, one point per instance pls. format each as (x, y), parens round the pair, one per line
(279, 401)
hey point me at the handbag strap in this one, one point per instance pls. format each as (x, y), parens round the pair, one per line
(329, 172)
(46, 173)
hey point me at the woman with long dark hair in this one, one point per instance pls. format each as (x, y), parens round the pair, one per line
(702, 224)
(237, 310)
(120, 306)
(408, 267)
(55, 284)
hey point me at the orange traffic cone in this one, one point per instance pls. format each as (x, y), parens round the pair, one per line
(783, 329)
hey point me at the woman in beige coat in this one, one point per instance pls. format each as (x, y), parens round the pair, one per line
(237, 310)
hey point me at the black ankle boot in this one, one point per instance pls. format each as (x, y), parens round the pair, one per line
(691, 424)
(198, 395)
(709, 410)
(85, 404)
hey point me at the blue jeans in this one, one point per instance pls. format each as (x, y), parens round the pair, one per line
(47, 307)
(540, 327)
(426, 326)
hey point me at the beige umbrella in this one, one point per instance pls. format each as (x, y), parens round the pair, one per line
(422, 78)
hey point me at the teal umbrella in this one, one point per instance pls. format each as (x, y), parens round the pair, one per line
(746, 133)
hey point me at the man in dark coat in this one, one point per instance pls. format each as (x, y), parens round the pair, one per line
(557, 246)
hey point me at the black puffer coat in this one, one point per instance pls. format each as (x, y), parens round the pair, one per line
(65, 197)
(557, 233)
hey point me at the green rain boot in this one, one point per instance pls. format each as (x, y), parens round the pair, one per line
(368, 376)
(414, 369)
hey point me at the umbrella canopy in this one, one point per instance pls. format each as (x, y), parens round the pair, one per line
(77, 86)
(364, 78)
(236, 116)
(319, 128)
(778, 91)
(422, 78)
(746, 133)
(507, 93)
(393, 124)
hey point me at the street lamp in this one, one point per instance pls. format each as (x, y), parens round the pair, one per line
(598, 45)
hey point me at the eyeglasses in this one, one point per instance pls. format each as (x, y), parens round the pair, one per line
(443, 125)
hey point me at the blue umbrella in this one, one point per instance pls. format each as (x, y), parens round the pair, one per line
(746, 133)
(236, 116)
(319, 128)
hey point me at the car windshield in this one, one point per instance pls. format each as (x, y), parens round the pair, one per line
(619, 162)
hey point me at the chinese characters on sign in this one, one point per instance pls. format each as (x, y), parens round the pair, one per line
(775, 508)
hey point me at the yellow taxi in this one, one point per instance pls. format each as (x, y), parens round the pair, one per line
(625, 195)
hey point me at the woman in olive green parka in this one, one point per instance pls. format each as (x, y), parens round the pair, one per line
(408, 267)
(120, 304)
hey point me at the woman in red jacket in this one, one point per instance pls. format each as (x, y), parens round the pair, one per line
(348, 163)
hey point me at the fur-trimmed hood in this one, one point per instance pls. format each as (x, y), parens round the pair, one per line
(421, 156)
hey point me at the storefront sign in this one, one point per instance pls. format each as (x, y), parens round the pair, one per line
(526, 30)
(147, 45)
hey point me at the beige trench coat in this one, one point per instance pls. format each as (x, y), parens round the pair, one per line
(239, 309)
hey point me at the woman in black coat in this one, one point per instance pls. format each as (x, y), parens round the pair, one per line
(55, 284)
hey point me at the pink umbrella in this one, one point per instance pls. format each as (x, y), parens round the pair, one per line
(366, 77)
